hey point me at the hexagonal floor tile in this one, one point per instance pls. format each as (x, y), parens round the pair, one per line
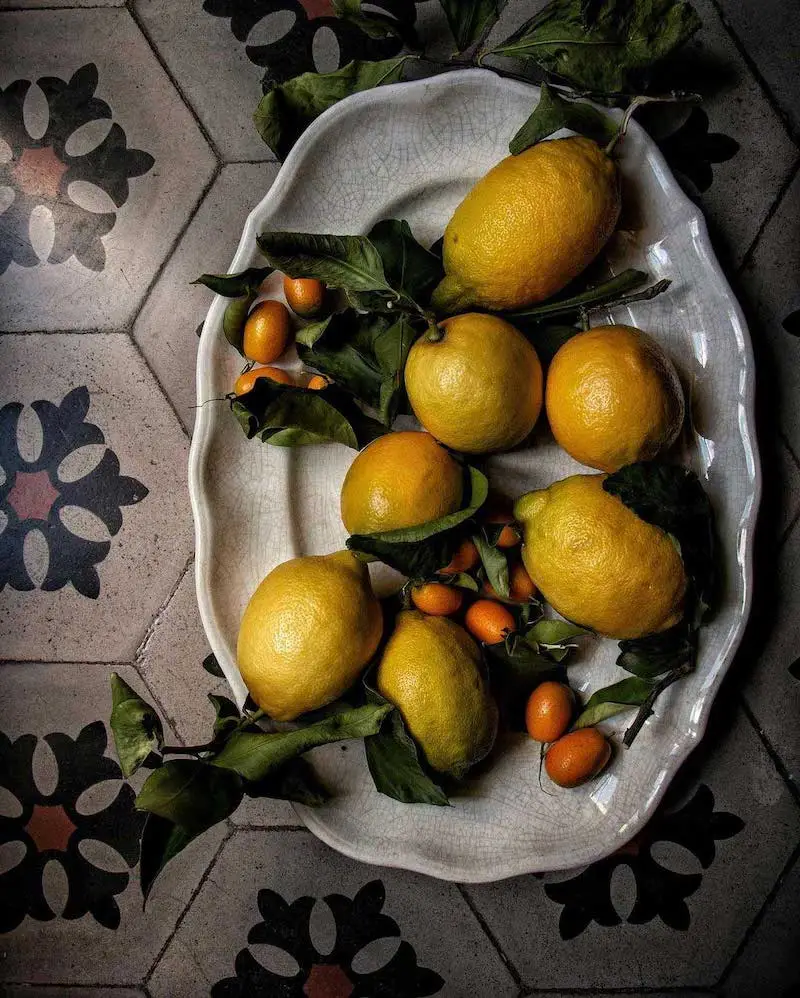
(95, 529)
(242, 40)
(28, 992)
(33, 4)
(72, 909)
(706, 865)
(166, 328)
(103, 164)
(280, 905)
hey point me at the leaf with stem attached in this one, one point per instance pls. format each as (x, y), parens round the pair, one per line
(376, 24)
(470, 20)
(554, 112)
(495, 564)
(135, 725)
(612, 700)
(243, 288)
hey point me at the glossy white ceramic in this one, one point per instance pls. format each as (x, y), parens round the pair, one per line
(412, 151)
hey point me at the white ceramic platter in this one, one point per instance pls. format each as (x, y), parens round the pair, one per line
(412, 151)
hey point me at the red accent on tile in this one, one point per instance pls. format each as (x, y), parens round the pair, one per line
(317, 8)
(32, 495)
(328, 980)
(50, 827)
(38, 172)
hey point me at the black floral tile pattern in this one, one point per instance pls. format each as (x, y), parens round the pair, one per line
(292, 53)
(358, 922)
(40, 171)
(32, 496)
(660, 892)
(51, 827)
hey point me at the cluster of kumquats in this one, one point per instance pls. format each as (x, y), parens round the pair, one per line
(571, 757)
(268, 334)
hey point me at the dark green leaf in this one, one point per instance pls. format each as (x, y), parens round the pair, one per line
(614, 699)
(162, 840)
(495, 564)
(191, 794)
(408, 266)
(235, 285)
(288, 109)
(548, 340)
(516, 670)
(349, 262)
(460, 579)
(234, 317)
(469, 20)
(656, 654)
(554, 112)
(212, 666)
(548, 631)
(376, 24)
(672, 498)
(394, 761)
(295, 781)
(571, 305)
(254, 756)
(227, 714)
(609, 52)
(289, 417)
(135, 725)
(421, 551)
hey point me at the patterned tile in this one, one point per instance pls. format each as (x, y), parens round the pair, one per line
(104, 163)
(94, 520)
(33, 4)
(208, 245)
(28, 992)
(761, 26)
(768, 963)
(74, 889)
(386, 931)
(623, 921)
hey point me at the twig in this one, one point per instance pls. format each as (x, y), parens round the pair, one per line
(647, 707)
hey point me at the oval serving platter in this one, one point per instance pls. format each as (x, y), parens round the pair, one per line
(412, 151)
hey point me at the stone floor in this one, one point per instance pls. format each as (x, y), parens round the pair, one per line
(144, 109)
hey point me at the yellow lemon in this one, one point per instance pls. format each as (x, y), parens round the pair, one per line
(431, 671)
(400, 480)
(531, 225)
(613, 397)
(309, 629)
(475, 383)
(597, 563)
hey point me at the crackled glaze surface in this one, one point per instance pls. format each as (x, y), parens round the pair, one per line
(413, 151)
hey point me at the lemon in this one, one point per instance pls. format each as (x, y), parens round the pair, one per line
(431, 671)
(529, 226)
(475, 383)
(597, 563)
(400, 480)
(613, 397)
(307, 632)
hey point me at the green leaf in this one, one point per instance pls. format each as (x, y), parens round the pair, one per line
(233, 319)
(235, 285)
(495, 564)
(554, 112)
(516, 669)
(421, 551)
(191, 793)
(227, 714)
(409, 267)
(287, 416)
(460, 579)
(672, 498)
(394, 761)
(572, 304)
(614, 699)
(212, 666)
(375, 24)
(162, 840)
(295, 781)
(348, 262)
(254, 756)
(554, 632)
(286, 110)
(656, 654)
(470, 19)
(608, 49)
(135, 725)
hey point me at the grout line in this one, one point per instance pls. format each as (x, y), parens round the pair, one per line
(206, 873)
(140, 650)
(753, 67)
(250, 827)
(62, 332)
(58, 661)
(70, 985)
(760, 914)
(252, 162)
(491, 937)
(779, 764)
(181, 426)
(664, 989)
(131, 8)
(750, 251)
(53, 7)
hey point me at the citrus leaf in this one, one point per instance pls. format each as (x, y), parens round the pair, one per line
(286, 110)
(516, 669)
(255, 755)
(421, 551)
(656, 654)
(460, 579)
(234, 317)
(495, 564)
(296, 781)
(135, 725)
(548, 631)
(409, 267)
(394, 761)
(348, 262)
(612, 700)
(470, 19)
(162, 840)
(227, 714)
(375, 24)
(190, 793)
(212, 666)
(235, 285)
(609, 51)
(571, 305)
(554, 112)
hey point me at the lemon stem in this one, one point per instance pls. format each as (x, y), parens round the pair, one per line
(435, 333)
(675, 97)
